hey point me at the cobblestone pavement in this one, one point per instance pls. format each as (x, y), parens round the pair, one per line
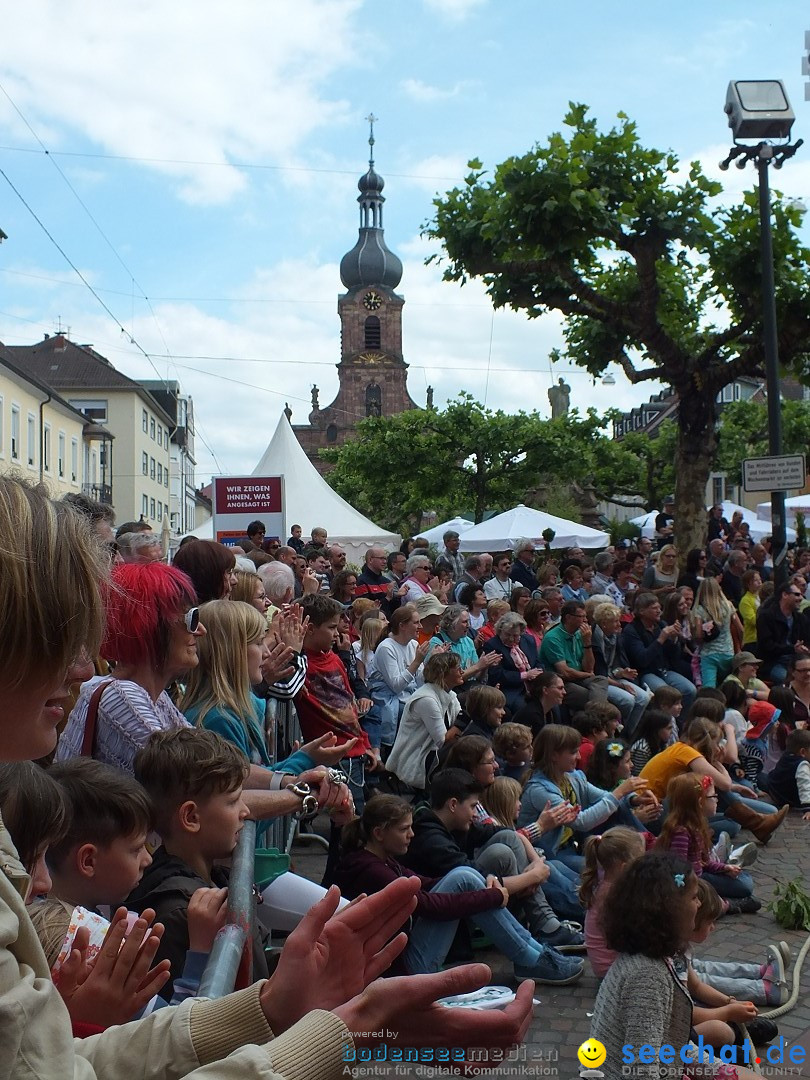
(561, 1020)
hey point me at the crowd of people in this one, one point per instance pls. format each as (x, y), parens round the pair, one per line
(505, 744)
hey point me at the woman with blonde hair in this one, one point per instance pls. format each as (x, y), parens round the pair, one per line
(249, 589)
(661, 577)
(715, 623)
(219, 694)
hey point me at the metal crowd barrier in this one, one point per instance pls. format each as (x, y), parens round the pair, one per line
(219, 977)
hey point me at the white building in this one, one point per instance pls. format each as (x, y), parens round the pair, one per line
(132, 472)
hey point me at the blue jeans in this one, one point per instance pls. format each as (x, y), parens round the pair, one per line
(430, 939)
(714, 667)
(672, 678)
(732, 888)
(631, 701)
(726, 798)
(561, 891)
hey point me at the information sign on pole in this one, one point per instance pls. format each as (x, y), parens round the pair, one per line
(783, 473)
(238, 500)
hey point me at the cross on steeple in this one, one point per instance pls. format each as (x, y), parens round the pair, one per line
(372, 120)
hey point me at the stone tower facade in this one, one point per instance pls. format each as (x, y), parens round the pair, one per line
(372, 370)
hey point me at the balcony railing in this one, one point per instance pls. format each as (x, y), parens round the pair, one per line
(100, 492)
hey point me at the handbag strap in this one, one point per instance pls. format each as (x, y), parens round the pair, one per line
(89, 736)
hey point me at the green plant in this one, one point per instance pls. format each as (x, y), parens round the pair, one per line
(791, 905)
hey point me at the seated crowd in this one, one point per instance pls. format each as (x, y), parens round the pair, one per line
(502, 748)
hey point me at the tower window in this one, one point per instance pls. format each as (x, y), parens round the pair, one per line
(372, 332)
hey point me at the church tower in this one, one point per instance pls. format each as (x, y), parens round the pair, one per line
(372, 370)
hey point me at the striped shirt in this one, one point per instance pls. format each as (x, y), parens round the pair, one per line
(127, 716)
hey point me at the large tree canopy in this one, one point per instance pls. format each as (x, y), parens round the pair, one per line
(465, 456)
(651, 273)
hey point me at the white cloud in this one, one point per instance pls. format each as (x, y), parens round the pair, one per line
(426, 94)
(455, 10)
(172, 81)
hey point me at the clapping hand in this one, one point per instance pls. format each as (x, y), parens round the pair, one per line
(119, 982)
(409, 1006)
(330, 958)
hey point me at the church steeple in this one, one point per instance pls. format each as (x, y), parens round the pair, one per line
(370, 262)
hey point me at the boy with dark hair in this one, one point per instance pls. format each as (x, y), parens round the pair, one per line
(789, 780)
(326, 704)
(593, 729)
(194, 778)
(446, 835)
(103, 855)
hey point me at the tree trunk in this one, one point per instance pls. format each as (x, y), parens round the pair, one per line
(697, 443)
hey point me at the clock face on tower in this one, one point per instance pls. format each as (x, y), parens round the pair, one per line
(372, 301)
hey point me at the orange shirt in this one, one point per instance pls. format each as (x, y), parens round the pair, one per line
(661, 768)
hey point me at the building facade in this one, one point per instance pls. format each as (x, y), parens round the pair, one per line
(372, 371)
(129, 468)
(42, 437)
(182, 492)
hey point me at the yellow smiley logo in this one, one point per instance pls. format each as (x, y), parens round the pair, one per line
(591, 1054)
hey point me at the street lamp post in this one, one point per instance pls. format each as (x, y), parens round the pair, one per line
(759, 109)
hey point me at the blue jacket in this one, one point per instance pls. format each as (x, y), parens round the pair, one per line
(595, 804)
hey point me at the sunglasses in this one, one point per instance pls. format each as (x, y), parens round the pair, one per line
(191, 619)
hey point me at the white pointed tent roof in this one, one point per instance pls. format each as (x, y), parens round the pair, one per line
(309, 500)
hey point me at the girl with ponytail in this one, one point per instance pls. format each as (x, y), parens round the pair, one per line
(606, 857)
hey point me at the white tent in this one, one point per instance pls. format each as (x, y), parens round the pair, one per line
(646, 523)
(758, 526)
(434, 535)
(309, 501)
(798, 504)
(500, 533)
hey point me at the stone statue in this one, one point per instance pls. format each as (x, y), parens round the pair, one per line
(559, 397)
(373, 400)
(315, 404)
(287, 410)
(430, 397)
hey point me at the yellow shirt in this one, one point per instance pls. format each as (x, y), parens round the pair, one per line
(749, 606)
(673, 761)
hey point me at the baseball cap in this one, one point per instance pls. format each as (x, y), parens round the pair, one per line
(741, 658)
(761, 714)
(669, 500)
(429, 605)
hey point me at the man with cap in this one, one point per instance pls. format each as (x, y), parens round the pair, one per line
(665, 522)
(430, 610)
(744, 669)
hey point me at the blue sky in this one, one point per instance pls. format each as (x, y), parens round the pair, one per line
(217, 150)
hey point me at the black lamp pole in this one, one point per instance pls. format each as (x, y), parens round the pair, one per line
(771, 344)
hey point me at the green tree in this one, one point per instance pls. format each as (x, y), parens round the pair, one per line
(650, 273)
(744, 433)
(462, 456)
(636, 466)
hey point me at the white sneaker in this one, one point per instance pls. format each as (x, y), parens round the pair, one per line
(744, 855)
(721, 849)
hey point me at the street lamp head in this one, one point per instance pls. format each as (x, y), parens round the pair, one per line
(758, 109)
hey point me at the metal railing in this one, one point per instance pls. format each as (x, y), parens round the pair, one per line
(219, 977)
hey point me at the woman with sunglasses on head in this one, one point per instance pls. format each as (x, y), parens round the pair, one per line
(153, 625)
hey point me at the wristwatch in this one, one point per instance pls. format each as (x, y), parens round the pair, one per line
(309, 804)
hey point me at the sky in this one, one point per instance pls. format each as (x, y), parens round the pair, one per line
(179, 180)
